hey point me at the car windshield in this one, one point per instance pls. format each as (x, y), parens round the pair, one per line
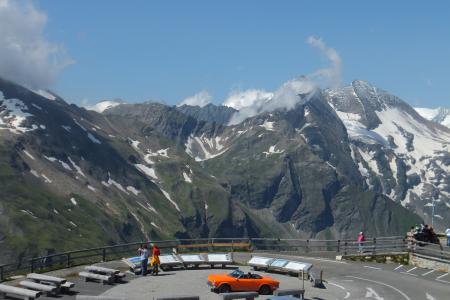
(236, 273)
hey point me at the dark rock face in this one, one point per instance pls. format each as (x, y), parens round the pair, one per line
(209, 113)
(147, 171)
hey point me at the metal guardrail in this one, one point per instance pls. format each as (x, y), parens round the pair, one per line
(371, 246)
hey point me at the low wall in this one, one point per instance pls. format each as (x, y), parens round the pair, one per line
(398, 258)
(423, 261)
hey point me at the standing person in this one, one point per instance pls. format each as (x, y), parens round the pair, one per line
(410, 237)
(144, 254)
(447, 233)
(361, 240)
(155, 260)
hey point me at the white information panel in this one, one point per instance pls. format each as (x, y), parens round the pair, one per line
(219, 258)
(297, 266)
(168, 259)
(191, 258)
(259, 261)
(279, 263)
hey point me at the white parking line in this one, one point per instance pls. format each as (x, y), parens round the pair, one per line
(408, 273)
(375, 268)
(382, 283)
(347, 293)
(442, 276)
(401, 266)
(429, 272)
(411, 269)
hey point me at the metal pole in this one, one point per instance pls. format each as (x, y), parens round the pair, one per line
(104, 254)
(1, 274)
(432, 214)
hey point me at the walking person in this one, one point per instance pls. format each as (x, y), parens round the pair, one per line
(154, 264)
(144, 254)
(447, 233)
(361, 240)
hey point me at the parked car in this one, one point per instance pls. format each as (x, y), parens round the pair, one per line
(238, 281)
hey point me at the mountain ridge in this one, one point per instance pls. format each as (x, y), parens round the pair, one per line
(146, 171)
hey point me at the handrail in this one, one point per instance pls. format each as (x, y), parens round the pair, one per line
(298, 246)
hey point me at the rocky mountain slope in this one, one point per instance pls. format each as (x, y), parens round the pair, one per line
(399, 153)
(73, 178)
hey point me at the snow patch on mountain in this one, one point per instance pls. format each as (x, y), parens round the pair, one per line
(93, 138)
(133, 190)
(46, 94)
(77, 168)
(203, 148)
(439, 115)
(267, 125)
(272, 150)
(166, 194)
(187, 178)
(112, 182)
(150, 172)
(13, 114)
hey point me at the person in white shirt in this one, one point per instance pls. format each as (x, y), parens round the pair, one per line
(144, 253)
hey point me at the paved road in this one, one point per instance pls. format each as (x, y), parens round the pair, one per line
(343, 280)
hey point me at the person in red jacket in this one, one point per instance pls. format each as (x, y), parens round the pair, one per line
(155, 260)
(156, 251)
(361, 240)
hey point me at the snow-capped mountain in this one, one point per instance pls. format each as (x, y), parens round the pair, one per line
(439, 115)
(398, 152)
(340, 162)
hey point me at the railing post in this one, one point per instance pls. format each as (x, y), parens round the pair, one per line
(68, 260)
(338, 246)
(374, 246)
(307, 246)
(345, 248)
(2, 274)
(32, 265)
(103, 254)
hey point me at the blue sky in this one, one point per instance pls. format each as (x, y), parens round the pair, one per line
(169, 50)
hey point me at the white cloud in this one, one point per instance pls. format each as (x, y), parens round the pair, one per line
(295, 91)
(286, 97)
(26, 56)
(330, 76)
(242, 99)
(201, 99)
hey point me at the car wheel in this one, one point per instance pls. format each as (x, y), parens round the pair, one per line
(265, 290)
(224, 288)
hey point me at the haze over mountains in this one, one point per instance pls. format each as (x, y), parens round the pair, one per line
(325, 164)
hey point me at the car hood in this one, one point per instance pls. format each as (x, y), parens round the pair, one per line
(219, 277)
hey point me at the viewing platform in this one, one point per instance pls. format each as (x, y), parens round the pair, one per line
(341, 279)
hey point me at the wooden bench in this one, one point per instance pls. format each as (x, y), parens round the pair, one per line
(102, 270)
(92, 276)
(45, 288)
(240, 295)
(297, 293)
(88, 297)
(60, 283)
(179, 298)
(7, 290)
(67, 285)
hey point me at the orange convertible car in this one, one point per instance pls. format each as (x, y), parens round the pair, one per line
(238, 281)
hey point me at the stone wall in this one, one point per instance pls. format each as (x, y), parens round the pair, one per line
(423, 261)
